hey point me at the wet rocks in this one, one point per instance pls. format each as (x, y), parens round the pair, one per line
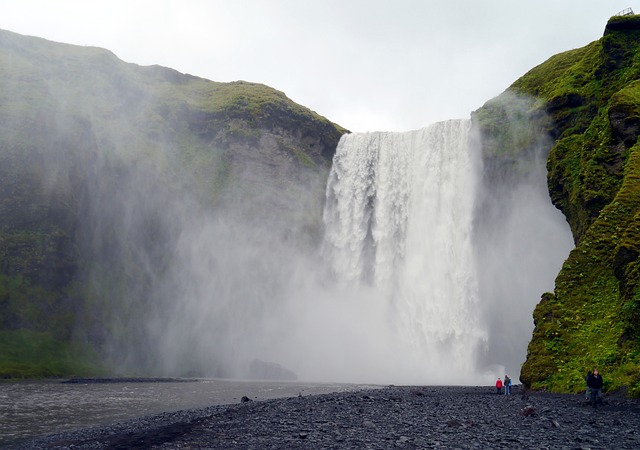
(391, 417)
(528, 411)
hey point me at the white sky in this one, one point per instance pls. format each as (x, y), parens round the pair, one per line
(392, 65)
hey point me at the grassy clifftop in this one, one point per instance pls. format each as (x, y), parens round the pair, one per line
(587, 101)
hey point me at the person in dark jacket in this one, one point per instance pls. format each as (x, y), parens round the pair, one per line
(594, 382)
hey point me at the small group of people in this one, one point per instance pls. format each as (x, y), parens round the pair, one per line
(504, 386)
(592, 394)
(594, 388)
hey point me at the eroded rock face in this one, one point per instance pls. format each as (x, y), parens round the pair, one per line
(625, 124)
(275, 179)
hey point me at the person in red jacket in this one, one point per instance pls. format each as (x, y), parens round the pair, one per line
(499, 386)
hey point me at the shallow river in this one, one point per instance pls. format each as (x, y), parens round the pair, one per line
(29, 409)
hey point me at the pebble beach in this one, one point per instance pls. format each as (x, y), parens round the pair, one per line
(412, 417)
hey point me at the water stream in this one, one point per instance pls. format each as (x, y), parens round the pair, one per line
(36, 408)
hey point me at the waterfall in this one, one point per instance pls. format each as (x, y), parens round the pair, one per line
(398, 223)
(428, 274)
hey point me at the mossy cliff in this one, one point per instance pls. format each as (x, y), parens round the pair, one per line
(97, 155)
(584, 106)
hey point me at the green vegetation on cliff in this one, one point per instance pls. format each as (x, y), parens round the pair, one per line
(92, 150)
(588, 102)
(31, 354)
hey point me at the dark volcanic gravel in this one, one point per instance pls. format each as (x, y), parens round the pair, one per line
(391, 417)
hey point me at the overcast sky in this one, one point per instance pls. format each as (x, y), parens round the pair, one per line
(391, 65)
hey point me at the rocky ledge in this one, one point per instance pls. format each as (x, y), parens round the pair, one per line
(391, 417)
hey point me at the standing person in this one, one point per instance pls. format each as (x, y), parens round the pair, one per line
(499, 386)
(595, 386)
(507, 385)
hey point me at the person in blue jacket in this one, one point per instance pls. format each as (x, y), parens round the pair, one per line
(507, 385)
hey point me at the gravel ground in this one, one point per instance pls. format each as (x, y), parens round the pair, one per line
(390, 417)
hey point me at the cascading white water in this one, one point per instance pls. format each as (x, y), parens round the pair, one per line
(398, 221)
(434, 274)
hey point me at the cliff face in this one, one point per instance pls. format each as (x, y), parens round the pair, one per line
(585, 104)
(104, 164)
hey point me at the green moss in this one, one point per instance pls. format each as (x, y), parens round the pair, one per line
(302, 157)
(240, 108)
(571, 72)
